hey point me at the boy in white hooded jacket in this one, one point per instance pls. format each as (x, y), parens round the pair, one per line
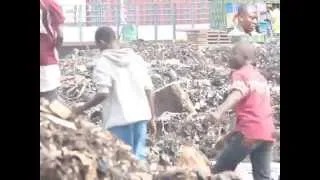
(124, 87)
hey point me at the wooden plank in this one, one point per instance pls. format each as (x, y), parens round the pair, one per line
(44, 109)
(197, 35)
(218, 39)
(210, 42)
(220, 42)
(216, 35)
(172, 98)
(211, 39)
(207, 36)
(220, 31)
(196, 39)
(60, 109)
(59, 121)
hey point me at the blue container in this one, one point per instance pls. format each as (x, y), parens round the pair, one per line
(229, 8)
(263, 26)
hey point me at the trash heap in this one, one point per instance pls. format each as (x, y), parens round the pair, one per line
(206, 82)
(80, 150)
(202, 74)
(177, 129)
(76, 83)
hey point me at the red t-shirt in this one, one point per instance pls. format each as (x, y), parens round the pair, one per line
(254, 112)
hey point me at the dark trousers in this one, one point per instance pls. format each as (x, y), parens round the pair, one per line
(236, 150)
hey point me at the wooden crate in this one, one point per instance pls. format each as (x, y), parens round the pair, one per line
(207, 37)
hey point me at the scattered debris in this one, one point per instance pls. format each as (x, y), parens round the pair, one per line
(85, 153)
(200, 79)
(171, 98)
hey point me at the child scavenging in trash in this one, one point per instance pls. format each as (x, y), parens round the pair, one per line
(253, 133)
(124, 88)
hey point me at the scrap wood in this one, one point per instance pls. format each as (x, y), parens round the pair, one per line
(204, 80)
(88, 160)
(87, 153)
(171, 98)
(58, 121)
(193, 159)
(58, 108)
(44, 109)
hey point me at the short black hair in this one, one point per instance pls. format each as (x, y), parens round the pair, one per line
(105, 34)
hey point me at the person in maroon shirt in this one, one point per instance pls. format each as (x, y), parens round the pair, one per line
(51, 19)
(254, 129)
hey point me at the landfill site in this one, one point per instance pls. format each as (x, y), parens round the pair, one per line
(188, 82)
(159, 90)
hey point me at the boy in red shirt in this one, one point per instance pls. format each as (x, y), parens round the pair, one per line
(253, 132)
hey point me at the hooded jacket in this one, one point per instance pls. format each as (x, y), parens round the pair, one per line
(123, 75)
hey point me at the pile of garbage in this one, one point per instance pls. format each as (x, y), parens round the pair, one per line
(76, 83)
(202, 74)
(177, 129)
(80, 150)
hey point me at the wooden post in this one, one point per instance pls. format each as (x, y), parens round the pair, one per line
(155, 21)
(137, 19)
(192, 14)
(174, 19)
(118, 18)
(80, 23)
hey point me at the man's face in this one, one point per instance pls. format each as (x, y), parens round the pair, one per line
(248, 20)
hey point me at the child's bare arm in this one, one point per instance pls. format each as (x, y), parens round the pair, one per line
(233, 98)
(151, 102)
(239, 89)
(97, 99)
(104, 83)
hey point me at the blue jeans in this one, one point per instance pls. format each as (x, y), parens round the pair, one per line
(134, 135)
(235, 151)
